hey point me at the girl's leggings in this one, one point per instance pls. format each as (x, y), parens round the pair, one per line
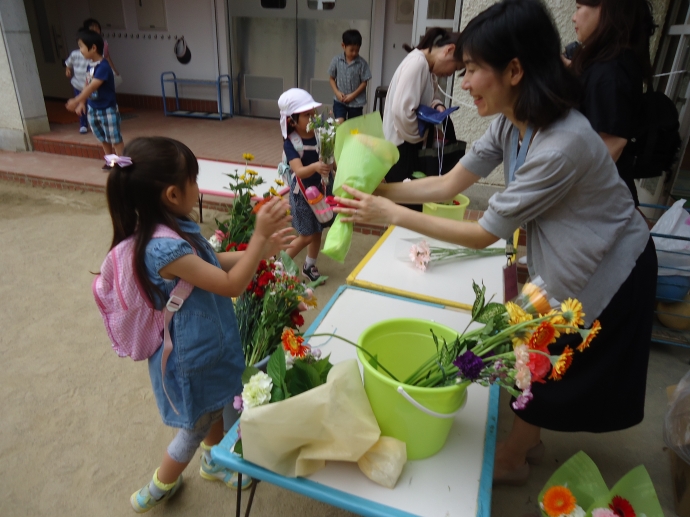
(186, 441)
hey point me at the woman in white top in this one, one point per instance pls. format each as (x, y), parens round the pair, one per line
(414, 84)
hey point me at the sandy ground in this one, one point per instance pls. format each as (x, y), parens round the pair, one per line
(79, 428)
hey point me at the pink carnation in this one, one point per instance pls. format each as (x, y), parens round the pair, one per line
(221, 236)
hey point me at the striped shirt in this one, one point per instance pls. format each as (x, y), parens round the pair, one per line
(78, 64)
(348, 77)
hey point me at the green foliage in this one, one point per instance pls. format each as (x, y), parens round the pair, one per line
(249, 371)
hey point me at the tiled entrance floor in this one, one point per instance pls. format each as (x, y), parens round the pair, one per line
(223, 140)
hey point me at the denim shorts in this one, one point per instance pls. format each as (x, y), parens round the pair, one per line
(341, 110)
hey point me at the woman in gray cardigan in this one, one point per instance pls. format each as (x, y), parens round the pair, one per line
(584, 236)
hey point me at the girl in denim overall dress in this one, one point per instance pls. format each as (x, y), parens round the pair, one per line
(203, 372)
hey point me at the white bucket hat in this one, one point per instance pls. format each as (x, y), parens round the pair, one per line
(295, 100)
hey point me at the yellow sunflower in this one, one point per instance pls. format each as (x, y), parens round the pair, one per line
(280, 183)
(252, 172)
(247, 156)
(572, 313)
(273, 192)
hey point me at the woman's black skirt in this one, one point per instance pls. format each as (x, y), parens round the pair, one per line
(604, 388)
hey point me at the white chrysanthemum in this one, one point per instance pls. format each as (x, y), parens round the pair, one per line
(215, 243)
(289, 360)
(257, 391)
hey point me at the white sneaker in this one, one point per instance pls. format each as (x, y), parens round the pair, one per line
(83, 129)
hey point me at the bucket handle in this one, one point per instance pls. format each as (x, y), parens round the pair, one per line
(432, 206)
(428, 411)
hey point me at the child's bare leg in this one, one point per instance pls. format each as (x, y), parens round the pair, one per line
(170, 469)
(301, 242)
(215, 434)
(314, 247)
(107, 148)
(119, 148)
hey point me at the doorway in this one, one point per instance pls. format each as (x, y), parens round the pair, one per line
(49, 47)
(280, 44)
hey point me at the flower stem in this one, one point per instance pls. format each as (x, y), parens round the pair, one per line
(359, 348)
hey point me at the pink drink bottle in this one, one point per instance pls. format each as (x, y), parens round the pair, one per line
(321, 209)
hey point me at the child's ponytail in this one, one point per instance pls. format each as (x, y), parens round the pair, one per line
(135, 196)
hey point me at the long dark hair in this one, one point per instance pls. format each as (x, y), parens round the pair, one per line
(523, 29)
(135, 196)
(623, 24)
(435, 37)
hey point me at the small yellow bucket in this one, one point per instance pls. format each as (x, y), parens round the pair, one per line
(420, 417)
(453, 211)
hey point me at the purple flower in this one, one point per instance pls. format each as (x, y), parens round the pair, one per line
(470, 365)
(237, 403)
(522, 401)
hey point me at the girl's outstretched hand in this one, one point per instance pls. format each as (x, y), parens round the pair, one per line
(279, 241)
(272, 217)
(366, 208)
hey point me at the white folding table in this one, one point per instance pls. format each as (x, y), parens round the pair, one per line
(456, 482)
(387, 269)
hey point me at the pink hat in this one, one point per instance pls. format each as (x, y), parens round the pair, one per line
(295, 100)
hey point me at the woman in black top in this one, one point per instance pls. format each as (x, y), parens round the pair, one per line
(613, 63)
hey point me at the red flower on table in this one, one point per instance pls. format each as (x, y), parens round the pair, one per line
(539, 365)
(622, 507)
(242, 247)
(297, 318)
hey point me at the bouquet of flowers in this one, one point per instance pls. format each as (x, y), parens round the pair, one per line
(272, 301)
(335, 420)
(577, 489)
(510, 350)
(238, 228)
(324, 128)
(422, 254)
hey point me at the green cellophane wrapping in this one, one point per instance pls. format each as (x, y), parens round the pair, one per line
(582, 477)
(364, 158)
(637, 488)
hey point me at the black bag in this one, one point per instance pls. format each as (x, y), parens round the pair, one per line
(445, 154)
(656, 146)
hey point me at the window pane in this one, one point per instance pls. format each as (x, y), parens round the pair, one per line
(441, 10)
(321, 5)
(273, 4)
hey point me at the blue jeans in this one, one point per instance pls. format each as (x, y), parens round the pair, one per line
(83, 120)
(341, 110)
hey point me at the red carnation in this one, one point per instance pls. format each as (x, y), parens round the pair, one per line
(297, 318)
(230, 246)
(265, 278)
(242, 247)
(539, 365)
(263, 265)
(259, 292)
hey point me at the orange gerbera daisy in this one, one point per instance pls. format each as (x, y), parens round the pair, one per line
(591, 334)
(543, 336)
(558, 500)
(293, 344)
(562, 365)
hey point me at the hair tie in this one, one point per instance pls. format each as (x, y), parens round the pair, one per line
(436, 40)
(121, 161)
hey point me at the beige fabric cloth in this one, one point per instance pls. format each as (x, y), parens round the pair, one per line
(295, 437)
(412, 85)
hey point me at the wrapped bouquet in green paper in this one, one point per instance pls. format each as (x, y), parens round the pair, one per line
(363, 157)
(577, 489)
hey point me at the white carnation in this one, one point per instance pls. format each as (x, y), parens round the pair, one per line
(289, 360)
(215, 243)
(257, 391)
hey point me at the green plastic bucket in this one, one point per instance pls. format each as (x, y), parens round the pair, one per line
(420, 417)
(456, 212)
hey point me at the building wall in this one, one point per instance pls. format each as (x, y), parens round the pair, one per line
(468, 125)
(22, 111)
(141, 61)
